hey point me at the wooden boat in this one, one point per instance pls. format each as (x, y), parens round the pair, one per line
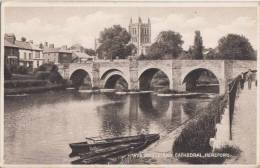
(83, 147)
(103, 155)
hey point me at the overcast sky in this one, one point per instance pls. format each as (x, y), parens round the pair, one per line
(70, 25)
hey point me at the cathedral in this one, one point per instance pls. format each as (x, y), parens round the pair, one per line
(140, 35)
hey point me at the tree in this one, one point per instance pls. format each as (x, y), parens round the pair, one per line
(114, 43)
(210, 54)
(90, 51)
(197, 48)
(168, 45)
(235, 47)
(23, 39)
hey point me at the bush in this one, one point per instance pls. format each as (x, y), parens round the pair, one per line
(41, 75)
(22, 70)
(7, 73)
(47, 67)
(55, 77)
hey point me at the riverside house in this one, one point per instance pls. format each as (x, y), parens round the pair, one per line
(31, 56)
(22, 53)
(56, 55)
(11, 52)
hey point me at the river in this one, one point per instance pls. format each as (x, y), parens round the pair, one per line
(39, 127)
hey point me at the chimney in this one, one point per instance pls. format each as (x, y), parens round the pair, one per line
(131, 21)
(41, 45)
(46, 44)
(51, 45)
(10, 37)
(31, 41)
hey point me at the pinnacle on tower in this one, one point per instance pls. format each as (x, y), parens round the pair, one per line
(140, 20)
(131, 21)
(149, 22)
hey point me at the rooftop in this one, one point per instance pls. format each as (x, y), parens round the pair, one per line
(55, 50)
(9, 44)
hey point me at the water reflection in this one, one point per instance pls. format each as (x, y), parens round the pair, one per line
(39, 127)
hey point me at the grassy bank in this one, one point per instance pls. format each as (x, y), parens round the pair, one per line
(195, 137)
(30, 86)
(34, 89)
(8, 84)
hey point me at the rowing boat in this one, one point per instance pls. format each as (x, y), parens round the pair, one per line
(83, 147)
(103, 155)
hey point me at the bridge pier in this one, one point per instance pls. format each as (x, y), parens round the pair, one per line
(176, 81)
(133, 81)
(96, 82)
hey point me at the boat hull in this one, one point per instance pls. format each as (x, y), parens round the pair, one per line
(82, 147)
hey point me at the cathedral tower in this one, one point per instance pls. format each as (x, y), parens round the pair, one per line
(140, 35)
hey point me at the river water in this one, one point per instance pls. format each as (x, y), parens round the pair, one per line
(39, 127)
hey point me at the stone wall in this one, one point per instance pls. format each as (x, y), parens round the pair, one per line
(175, 70)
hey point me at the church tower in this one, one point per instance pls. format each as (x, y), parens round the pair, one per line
(140, 35)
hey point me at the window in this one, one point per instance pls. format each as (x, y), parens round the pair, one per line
(25, 56)
(37, 54)
(30, 56)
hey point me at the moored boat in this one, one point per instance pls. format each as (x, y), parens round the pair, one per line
(103, 155)
(83, 147)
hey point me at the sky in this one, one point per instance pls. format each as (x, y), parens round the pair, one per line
(71, 25)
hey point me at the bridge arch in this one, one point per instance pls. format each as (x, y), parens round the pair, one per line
(81, 77)
(146, 76)
(111, 77)
(202, 80)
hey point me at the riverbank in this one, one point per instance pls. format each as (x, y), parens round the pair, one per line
(36, 89)
(195, 137)
(13, 87)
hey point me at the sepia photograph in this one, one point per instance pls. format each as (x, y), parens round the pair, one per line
(129, 83)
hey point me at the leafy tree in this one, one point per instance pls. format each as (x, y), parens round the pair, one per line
(89, 51)
(211, 54)
(114, 43)
(23, 39)
(235, 47)
(197, 47)
(168, 45)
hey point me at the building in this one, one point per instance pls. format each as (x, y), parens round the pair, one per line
(22, 53)
(11, 52)
(37, 54)
(140, 35)
(56, 55)
(81, 57)
(31, 56)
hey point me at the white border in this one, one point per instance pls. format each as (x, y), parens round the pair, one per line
(122, 3)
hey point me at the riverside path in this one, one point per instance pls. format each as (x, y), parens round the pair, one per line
(244, 124)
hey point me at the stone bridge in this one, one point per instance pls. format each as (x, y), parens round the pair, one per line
(138, 73)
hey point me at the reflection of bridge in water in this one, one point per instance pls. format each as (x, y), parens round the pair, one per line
(147, 111)
(139, 73)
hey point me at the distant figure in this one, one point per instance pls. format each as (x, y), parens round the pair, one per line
(142, 134)
(242, 80)
(249, 78)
